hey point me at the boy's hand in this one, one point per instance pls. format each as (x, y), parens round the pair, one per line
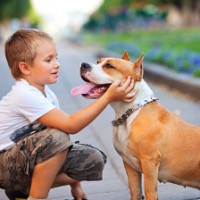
(119, 91)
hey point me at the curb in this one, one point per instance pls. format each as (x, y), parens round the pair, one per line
(185, 84)
(158, 74)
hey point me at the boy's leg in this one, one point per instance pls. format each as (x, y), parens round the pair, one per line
(44, 175)
(31, 198)
(17, 163)
(76, 188)
(83, 163)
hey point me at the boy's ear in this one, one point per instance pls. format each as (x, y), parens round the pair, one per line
(24, 68)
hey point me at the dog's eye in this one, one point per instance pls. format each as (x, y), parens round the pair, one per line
(108, 65)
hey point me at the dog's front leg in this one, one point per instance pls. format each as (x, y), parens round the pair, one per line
(150, 168)
(134, 181)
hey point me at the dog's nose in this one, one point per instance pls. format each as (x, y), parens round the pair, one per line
(85, 66)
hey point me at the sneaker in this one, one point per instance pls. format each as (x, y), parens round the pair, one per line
(15, 195)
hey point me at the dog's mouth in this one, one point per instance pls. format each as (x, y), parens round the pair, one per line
(90, 90)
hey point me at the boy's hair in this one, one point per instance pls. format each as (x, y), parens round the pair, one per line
(21, 47)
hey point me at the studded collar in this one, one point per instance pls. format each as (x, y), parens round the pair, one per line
(123, 117)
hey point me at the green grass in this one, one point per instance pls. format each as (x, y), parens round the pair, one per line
(177, 49)
(176, 39)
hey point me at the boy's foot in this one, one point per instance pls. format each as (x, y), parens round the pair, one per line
(77, 191)
(13, 195)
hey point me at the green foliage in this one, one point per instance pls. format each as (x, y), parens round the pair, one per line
(110, 5)
(34, 18)
(178, 49)
(120, 14)
(177, 3)
(176, 39)
(14, 8)
(197, 73)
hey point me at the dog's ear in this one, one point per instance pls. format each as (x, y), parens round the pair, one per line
(138, 68)
(125, 56)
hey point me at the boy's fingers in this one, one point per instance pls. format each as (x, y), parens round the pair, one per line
(130, 96)
(116, 83)
(127, 83)
(134, 92)
(130, 87)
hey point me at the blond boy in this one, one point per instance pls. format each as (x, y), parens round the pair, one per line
(36, 153)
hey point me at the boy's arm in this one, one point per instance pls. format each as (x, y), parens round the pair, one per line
(80, 119)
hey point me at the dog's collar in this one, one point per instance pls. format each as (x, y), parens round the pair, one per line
(123, 117)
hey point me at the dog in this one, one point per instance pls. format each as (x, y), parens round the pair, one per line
(150, 139)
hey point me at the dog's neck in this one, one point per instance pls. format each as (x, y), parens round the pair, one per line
(144, 92)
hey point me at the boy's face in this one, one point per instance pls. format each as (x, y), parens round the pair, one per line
(45, 67)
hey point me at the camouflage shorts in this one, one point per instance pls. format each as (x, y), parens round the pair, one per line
(83, 162)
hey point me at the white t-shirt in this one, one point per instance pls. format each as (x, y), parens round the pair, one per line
(20, 109)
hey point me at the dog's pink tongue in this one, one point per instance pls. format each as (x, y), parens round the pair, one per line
(82, 89)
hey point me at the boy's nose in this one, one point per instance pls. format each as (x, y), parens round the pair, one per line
(57, 64)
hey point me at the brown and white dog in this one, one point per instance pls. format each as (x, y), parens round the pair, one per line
(151, 140)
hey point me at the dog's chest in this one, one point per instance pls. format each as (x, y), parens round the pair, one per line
(120, 141)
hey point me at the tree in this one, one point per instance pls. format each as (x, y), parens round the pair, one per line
(110, 14)
(188, 9)
(114, 4)
(10, 9)
(22, 10)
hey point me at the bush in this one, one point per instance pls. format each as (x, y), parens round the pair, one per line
(197, 73)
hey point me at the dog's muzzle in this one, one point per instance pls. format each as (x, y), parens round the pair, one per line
(90, 90)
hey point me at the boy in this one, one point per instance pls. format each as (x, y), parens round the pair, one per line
(36, 153)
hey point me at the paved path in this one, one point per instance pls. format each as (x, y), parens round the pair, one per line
(99, 133)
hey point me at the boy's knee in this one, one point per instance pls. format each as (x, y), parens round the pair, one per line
(93, 162)
(99, 158)
(93, 158)
(85, 162)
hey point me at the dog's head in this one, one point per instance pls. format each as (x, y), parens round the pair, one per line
(101, 75)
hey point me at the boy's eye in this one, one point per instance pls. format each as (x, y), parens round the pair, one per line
(51, 59)
(48, 60)
(108, 65)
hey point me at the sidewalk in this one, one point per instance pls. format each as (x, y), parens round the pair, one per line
(99, 133)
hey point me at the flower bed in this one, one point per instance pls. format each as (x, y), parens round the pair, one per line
(177, 49)
(183, 61)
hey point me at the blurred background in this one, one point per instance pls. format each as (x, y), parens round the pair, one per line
(166, 31)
